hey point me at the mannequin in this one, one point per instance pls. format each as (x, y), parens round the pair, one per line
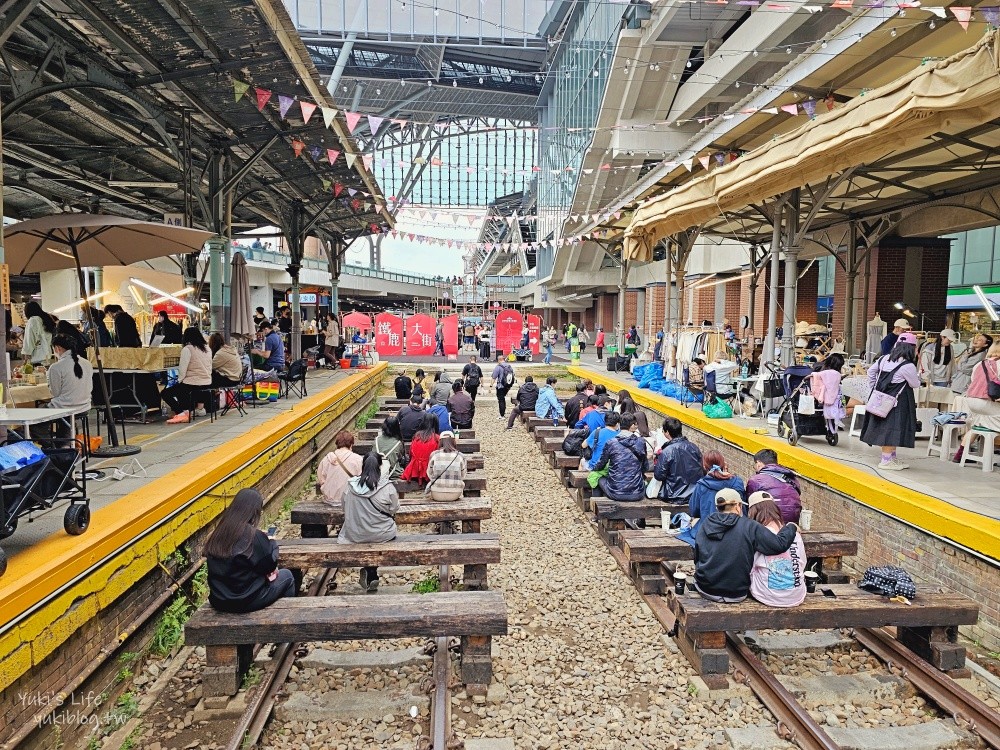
(875, 331)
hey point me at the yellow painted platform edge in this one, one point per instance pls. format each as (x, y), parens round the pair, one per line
(937, 516)
(52, 564)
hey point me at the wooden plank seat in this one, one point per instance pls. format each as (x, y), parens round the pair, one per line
(533, 422)
(315, 517)
(928, 625)
(363, 447)
(550, 445)
(370, 433)
(542, 433)
(613, 516)
(228, 639)
(475, 484)
(527, 416)
(561, 460)
(392, 403)
(646, 550)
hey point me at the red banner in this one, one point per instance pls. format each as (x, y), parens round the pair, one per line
(450, 323)
(535, 333)
(509, 326)
(388, 334)
(420, 336)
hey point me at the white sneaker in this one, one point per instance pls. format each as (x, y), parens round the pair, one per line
(893, 464)
(200, 412)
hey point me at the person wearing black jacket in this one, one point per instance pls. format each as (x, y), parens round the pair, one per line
(410, 418)
(472, 374)
(527, 396)
(403, 385)
(126, 331)
(167, 328)
(243, 573)
(575, 404)
(625, 458)
(678, 464)
(725, 545)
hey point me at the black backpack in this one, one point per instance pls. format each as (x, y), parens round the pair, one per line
(508, 376)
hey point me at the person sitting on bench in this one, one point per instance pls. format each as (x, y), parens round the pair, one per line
(701, 504)
(575, 404)
(598, 439)
(403, 385)
(446, 470)
(411, 416)
(525, 400)
(593, 414)
(725, 545)
(625, 457)
(243, 573)
(547, 405)
(780, 482)
(194, 376)
(389, 445)
(441, 389)
(337, 467)
(461, 407)
(776, 580)
(678, 465)
(424, 443)
(370, 506)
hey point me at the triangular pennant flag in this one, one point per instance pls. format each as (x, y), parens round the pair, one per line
(605, 167)
(992, 15)
(353, 118)
(374, 123)
(844, 4)
(316, 153)
(307, 111)
(352, 192)
(328, 114)
(284, 104)
(263, 97)
(239, 89)
(829, 102)
(331, 155)
(350, 159)
(792, 109)
(297, 147)
(720, 159)
(704, 161)
(938, 11)
(688, 164)
(963, 14)
(813, 8)
(337, 190)
(770, 110)
(367, 160)
(809, 105)
(326, 184)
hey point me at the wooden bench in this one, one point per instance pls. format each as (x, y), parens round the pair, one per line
(927, 626)
(646, 551)
(576, 479)
(561, 461)
(229, 639)
(542, 433)
(475, 483)
(370, 433)
(527, 416)
(613, 515)
(473, 551)
(533, 423)
(392, 403)
(363, 447)
(316, 517)
(550, 445)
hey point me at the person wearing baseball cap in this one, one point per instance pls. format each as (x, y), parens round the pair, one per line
(902, 324)
(725, 545)
(894, 375)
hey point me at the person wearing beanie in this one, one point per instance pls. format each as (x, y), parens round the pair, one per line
(725, 545)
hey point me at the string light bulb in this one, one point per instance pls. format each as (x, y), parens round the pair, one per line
(932, 24)
(892, 33)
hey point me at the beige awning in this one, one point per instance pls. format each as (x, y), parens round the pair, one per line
(948, 96)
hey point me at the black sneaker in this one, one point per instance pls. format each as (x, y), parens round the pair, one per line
(372, 585)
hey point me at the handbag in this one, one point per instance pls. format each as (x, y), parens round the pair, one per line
(653, 488)
(880, 403)
(807, 404)
(992, 388)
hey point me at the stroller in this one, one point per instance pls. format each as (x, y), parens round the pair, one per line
(34, 479)
(792, 424)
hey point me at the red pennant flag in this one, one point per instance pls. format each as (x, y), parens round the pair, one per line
(337, 190)
(297, 147)
(263, 97)
(307, 111)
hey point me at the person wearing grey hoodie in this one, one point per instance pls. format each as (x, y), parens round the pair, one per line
(370, 507)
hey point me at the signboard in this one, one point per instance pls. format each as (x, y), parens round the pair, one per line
(509, 325)
(420, 335)
(4, 285)
(308, 298)
(535, 333)
(173, 220)
(388, 334)
(450, 324)
(172, 309)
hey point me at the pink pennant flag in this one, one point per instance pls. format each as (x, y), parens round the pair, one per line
(353, 118)
(605, 167)
(307, 111)
(963, 14)
(331, 155)
(374, 123)
(367, 160)
(284, 104)
(843, 4)
(263, 97)
(704, 161)
(328, 114)
(792, 109)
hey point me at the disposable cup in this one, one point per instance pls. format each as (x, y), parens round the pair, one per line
(665, 519)
(680, 581)
(805, 520)
(812, 578)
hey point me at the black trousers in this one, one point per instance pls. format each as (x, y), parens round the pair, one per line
(514, 414)
(179, 397)
(502, 400)
(472, 390)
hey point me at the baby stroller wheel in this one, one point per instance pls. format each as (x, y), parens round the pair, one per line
(832, 437)
(77, 519)
(3, 562)
(793, 437)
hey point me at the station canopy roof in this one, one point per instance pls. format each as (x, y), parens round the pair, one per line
(928, 134)
(114, 105)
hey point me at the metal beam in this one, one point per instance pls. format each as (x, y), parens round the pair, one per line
(12, 14)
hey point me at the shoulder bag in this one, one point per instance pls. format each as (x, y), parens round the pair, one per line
(586, 451)
(992, 387)
(880, 403)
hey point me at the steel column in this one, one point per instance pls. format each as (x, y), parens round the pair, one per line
(767, 355)
(791, 283)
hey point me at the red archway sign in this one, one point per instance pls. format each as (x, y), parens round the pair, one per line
(420, 335)
(388, 334)
(450, 323)
(509, 325)
(535, 333)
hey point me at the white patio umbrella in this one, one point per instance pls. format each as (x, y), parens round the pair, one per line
(240, 313)
(63, 241)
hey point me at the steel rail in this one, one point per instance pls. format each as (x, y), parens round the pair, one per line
(794, 722)
(967, 709)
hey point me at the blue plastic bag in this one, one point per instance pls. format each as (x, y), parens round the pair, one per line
(20, 454)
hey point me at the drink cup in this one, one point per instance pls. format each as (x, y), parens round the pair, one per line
(680, 581)
(812, 578)
(805, 520)
(665, 519)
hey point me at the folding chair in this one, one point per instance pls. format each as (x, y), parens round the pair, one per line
(234, 394)
(694, 387)
(729, 393)
(294, 379)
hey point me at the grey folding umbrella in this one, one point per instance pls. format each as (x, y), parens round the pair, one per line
(62, 241)
(240, 313)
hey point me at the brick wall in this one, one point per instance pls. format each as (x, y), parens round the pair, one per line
(805, 301)
(631, 307)
(656, 308)
(736, 304)
(703, 304)
(914, 271)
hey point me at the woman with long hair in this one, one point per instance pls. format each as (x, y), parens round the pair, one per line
(937, 360)
(424, 443)
(227, 367)
(776, 580)
(243, 573)
(446, 470)
(71, 379)
(627, 405)
(968, 361)
(338, 467)
(981, 410)
(38, 333)
(331, 341)
(389, 445)
(701, 503)
(71, 332)
(896, 375)
(193, 375)
(370, 506)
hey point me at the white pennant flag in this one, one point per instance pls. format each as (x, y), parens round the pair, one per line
(328, 115)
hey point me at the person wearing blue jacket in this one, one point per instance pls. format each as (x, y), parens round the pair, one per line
(601, 436)
(701, 503)
(547, 404)
(444, 419)
(594, 417)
